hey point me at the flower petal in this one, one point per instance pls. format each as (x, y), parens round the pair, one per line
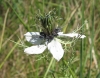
(33, 37)
(35, 49)
(71, 35)
(60, 33)
(56, 49)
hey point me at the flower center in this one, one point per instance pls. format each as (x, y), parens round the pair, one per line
(49, 36)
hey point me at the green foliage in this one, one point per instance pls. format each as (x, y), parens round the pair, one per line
(80, 60)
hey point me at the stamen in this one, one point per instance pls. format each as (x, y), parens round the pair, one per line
(42, 35)
(50, 36)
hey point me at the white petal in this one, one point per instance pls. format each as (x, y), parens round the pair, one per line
(60, 33)
(56, 49)
(71, 35)
(32, 33)
(35, 49)
(33, 37)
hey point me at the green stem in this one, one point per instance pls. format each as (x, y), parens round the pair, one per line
(82, 42)
(48, 67)
(9, 54)
(3, 30)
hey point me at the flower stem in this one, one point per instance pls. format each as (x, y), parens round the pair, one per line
(48, 67)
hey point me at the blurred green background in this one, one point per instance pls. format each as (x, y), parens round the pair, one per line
(79, 61)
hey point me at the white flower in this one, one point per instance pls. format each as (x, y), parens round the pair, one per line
(54, 46)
